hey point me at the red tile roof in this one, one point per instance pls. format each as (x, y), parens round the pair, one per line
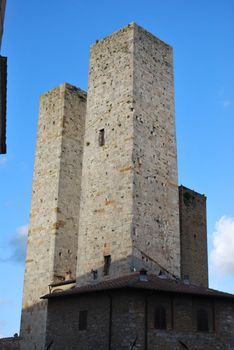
(154, 283)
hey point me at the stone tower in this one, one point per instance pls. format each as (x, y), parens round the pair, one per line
(54, 218)
(129, 214)
(193, 239)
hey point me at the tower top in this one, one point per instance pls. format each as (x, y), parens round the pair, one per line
(131, 26)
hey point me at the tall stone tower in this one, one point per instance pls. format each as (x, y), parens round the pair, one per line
(129, 214)
(54, 217)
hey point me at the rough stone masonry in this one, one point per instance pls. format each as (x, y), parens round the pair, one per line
(129, 199)
(54, 215)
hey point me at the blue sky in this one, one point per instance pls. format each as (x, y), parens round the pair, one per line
(47, 43)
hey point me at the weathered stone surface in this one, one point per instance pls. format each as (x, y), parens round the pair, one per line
(129, 184)
(156, 238)
(54, 216)
(193, 237)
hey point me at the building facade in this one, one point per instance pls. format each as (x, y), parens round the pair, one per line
(150, 314)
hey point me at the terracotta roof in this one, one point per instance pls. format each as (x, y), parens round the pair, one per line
(9, 340)
(154, 283)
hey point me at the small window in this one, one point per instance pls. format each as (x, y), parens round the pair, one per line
(83, 320)
(95, 274)
(101, 137)
(107, 262)
(160, 321)
(202, 321)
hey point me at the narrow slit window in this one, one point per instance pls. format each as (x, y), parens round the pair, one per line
(101, 137)
(202, 321)
(83, 320)
(107, 262)
(160, 321)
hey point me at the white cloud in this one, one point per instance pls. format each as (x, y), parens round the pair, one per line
(222, 255)
(5, 301)
(22, 231)
(18, 244)
(226, 103)
(3, 160)
(3, 323)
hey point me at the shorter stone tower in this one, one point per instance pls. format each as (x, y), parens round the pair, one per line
(54, 217)
(193, 237)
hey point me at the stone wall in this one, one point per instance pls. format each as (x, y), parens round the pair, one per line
(156, 237)
(120, 319)
(107, 175)
(54, 217)
(193, 238)
(129, 205)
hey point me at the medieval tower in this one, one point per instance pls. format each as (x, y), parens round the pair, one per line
(105, 199)
(129, 211)
(54, 217)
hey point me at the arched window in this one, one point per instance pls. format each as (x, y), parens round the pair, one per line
(202, 320)
(160, 320)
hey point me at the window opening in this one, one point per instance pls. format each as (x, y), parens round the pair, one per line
(101, 137)
(160, 321)
(107, 261)
(95, 274)
(202, 321)
(83, 320)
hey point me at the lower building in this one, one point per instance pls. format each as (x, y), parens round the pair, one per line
(140, 311)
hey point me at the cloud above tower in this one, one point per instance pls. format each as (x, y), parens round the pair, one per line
(223, 246)
(17, 246)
